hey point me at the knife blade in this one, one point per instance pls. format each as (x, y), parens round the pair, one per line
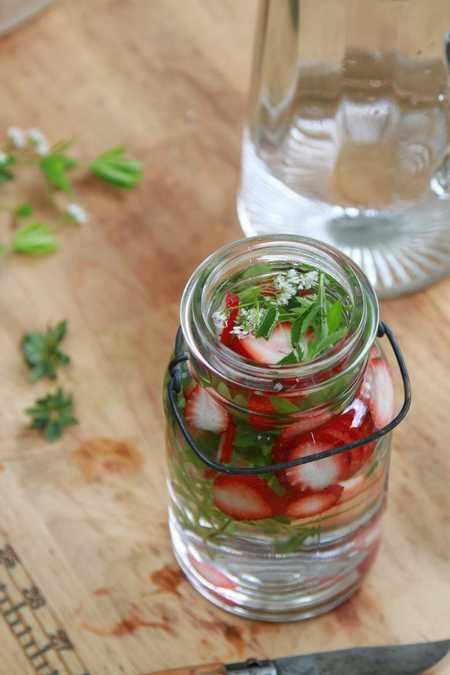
(386, 660)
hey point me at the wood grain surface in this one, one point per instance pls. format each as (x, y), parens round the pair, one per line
(83, 521)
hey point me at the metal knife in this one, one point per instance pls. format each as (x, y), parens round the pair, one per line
(388, 660)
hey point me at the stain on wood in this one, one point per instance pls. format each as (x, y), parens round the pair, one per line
(102, 457)
(168, 578)
(129, 624)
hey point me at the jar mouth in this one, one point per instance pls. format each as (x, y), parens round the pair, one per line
(200, 299)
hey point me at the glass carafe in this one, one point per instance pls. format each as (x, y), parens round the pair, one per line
(348, 133)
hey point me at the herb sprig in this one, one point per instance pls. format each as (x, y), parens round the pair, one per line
(59, 168)
(305, 298)
(42, 351)
(51, 414)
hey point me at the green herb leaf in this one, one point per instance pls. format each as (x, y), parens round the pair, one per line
(34, 239)
(334, 316)
(268, 322)
(23, 210)
(52, 414)
(283, 405)
(6, 161)
(289, 359)
(42, 352)
(114, 168)
(296, 331)
(257, 270)
(249, 295)
(323, 306)
(55, 166)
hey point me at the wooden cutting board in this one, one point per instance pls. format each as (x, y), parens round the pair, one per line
(88, 583)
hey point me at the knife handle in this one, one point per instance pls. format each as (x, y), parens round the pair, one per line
(212, 669)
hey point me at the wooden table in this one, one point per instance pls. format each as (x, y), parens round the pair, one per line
(86, 516)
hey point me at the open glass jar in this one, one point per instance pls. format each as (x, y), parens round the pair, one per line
(278, 439)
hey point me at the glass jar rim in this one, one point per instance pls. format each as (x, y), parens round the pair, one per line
(204, 343)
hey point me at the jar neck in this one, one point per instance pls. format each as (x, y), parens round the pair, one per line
(204, 293)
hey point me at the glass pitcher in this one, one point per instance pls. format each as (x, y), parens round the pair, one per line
(348, 133)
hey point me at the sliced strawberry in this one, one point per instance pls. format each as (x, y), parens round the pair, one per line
(211, 573)
(260, 408)
(226, 442)
(381, 402)
(313, 503)
(203, 412)
(232, 302)
(353, 487)
(244, 497)
(290, 434)
(272, 350)
(322, 473)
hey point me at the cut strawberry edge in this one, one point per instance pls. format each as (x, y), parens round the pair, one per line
(312, 503)
(211, 574)
(226, 443)
(203, 412)
(352, 487)
(259, 408)
(269, 351)
(244, 497)
(286, 440)
(321, 473)
(381, 402)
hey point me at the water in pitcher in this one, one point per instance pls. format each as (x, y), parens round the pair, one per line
(356, 156)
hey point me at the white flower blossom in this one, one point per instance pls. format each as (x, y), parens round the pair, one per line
(287, 284)
(239, 331)
(17, 137)
(38, 141)
(3, 158)
(219, 319)
(308, 280)
(77, 213)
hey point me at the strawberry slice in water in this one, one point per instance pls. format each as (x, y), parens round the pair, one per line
(260, 408)
(269, 351)
(226, 443)
(244, 497)
(211, 573)
(321, 473)
(381, 403)
(203, 412)
(312, 503)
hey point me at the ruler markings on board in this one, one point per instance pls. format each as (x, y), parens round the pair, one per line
(32, 622)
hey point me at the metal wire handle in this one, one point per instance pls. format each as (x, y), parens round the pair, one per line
(175, 384)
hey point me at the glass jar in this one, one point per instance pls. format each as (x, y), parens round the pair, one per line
(348, 133)
(275, 544)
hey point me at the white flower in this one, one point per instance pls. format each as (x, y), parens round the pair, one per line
(287, 283)
(219, 319)
(308, 280)
(248, 319)
(3, 158)
(17, 137)
(77, 213)
(239, 331)
(38, 141)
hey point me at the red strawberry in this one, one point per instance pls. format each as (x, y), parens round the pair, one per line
(203, 412)
(211, 573)
(244, 497)
(269, 351)
(381, 402)
(227, 337)
(226, 442)
(259, 408)
(322, 473)
(289, 435)
(355, 423)
(313, 503)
